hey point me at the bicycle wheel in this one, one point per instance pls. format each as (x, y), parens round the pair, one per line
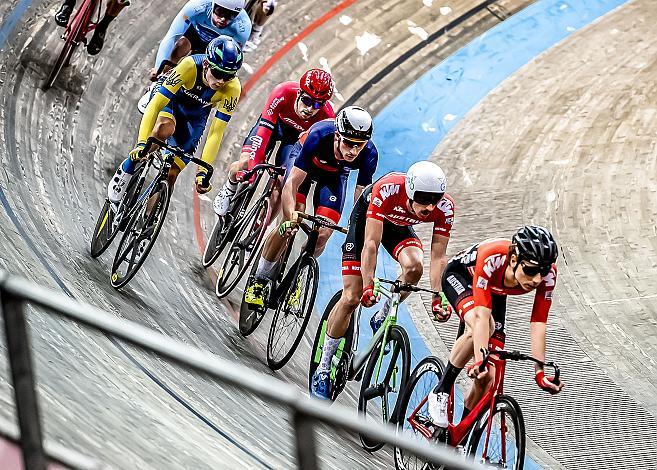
(506, 443)
(104, 232)
(293, 313)
(140, 235)
(423, 379)
(382, 384)
(243, 247)
(340, 369)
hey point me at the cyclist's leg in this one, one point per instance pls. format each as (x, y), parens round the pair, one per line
(112, 10)
(329, 202)
(285, 158)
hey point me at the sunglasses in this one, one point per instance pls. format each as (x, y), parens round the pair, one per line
(425, 198)
(352, 143)
(310, 102)
(220, 74)
(532, 270)
(225, 12)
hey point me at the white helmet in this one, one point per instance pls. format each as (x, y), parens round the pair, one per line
(425, 183)
(232, 5)
(354, 123)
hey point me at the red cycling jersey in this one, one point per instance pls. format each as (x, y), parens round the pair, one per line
(279, 111)
(487, 261)
(389, 201)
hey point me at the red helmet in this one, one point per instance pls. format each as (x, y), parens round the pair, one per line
(318, 84)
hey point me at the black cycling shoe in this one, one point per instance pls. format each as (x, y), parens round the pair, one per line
(96, 43)
(63, 15)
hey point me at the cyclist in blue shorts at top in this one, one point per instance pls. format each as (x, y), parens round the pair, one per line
(324, 154)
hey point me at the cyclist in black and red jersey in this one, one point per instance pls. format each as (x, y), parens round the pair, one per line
(384, 214)
(292, 107)
(477, 282)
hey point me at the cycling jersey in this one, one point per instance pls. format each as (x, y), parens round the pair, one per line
(386, 200)
(314, 154)
(184, 97)
(475, 277)
(279, 121)
(195, 21)
(390, 202)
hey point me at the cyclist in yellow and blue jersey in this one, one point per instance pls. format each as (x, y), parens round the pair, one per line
(200, 85)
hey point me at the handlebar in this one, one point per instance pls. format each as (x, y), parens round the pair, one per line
(296, 215)
(518, 356)
(160, 69)
(398, 286)
(272, 169)
(179, 153)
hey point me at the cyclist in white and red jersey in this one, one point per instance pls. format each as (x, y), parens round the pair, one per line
(384, 214)
(477, 282)
(290, 110)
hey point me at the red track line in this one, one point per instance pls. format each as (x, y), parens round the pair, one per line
(264, 68)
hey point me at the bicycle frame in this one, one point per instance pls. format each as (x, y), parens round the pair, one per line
(81, 23)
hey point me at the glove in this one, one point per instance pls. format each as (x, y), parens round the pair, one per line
(370, 295)
(202, 182)
(441, 308)
(240, 175)
(287, 228)
(136, 153)
(544, 383)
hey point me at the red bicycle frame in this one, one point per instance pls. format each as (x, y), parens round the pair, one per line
(81, 24)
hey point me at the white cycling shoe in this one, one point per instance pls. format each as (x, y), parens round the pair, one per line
(117, 185)
(144, 100)
(221, 203)
(438, 408)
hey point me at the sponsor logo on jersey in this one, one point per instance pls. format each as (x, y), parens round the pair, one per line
(332, 198)
(548, 295)
(399, 209)
(402, 218)
(446, 206)
(293, 124)
(449, 220)
(230, 103)
(275, 102)
(196, 97)
(349, 246)
(173, 79)
(482, 283)
(550, 280)
(256, 143)
(388, 189)
(498, 326)
(466, 306)
(377, 202)
(493, 262)
(456, 285)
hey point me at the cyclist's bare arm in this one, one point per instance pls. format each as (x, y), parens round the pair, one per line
(479, 320)
(537, 335)
(373, 234)
(357, 192)
(297, 176)
(438, 260)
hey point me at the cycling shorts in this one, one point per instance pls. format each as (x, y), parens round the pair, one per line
(457, 287)
(198, 45)
(189, 129)
(394, 239)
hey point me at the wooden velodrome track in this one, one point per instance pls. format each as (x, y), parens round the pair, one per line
(582, 132)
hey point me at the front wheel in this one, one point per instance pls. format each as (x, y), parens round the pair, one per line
(293, 313)
(505, 446)
(413, 412)
(140, 235)
(384, 380)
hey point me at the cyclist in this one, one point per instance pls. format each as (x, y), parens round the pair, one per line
(385, 214)
(200, 85)
(198, 23)
(261, 11)
(477, 282)
(325, 154)
(112, 10)
(290, 110)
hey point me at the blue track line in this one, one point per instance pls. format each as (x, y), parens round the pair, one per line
(8, 25)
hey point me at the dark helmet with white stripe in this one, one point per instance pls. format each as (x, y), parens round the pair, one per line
(535, 243)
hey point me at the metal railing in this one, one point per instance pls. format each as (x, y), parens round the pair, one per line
(306, 412)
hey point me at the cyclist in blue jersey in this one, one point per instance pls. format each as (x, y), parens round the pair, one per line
(198, 23)
(324, 154)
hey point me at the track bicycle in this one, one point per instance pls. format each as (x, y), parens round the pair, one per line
(383, 375)
(497, 418)
(141, 212)
(240, 232)
(291, 294)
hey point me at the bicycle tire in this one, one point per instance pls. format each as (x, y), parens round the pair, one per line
(160, 210)
(508, 406)
(423, 379)
(213, 246)
(238, 247)
(339, 374)
(101, 239)
(283, 312)
(399, 345)
(62, 59)
(250, 319)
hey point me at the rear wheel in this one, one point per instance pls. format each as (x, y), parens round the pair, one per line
(340, 368)
(104, 232)
(140, 236)
(382, 385)
(215, 243)
(293, 313)
(243, 247)
(62, 59)
(413, 413)
(506, 444)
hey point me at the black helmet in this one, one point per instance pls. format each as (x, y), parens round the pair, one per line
(534, 243)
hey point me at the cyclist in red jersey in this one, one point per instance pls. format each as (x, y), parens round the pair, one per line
(290, 110)
(384, 214)
(477, 282)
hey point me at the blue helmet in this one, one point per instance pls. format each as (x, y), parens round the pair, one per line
(224, 56)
